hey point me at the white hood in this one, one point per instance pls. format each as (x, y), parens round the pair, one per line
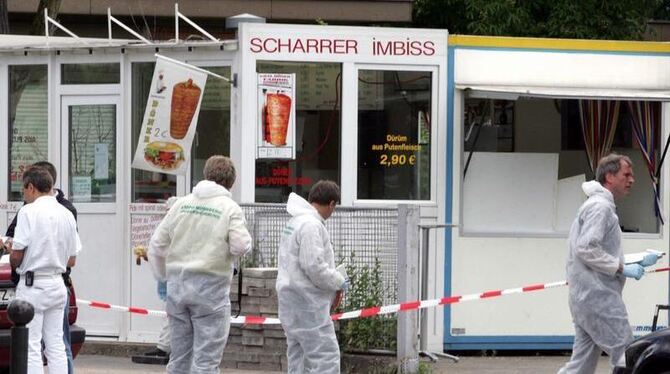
(297, 206)
(206, 189)
(593, 188)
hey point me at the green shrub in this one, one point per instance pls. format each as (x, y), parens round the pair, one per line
(366, 289)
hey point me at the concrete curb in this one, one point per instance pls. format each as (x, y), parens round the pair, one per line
(115, 349)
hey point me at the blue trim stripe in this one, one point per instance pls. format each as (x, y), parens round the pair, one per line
(449, 188)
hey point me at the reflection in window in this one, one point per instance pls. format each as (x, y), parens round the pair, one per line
(212, 135)
(106, 73)
(146, 186)
(28, 122)
(92, 153)
(317, 133)
(394, 110)
(531, 150)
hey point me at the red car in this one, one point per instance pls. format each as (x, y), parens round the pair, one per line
(77, 334)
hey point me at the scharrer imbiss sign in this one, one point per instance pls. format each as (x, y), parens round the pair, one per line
(337, 43)
(406, 47)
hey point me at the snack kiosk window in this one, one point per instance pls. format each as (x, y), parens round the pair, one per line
(212, 135)
(394, 134)
(28, 122)
(317, 132)
(100, 73)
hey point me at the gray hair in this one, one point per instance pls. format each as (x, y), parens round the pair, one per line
(610, 164)
(220, 169)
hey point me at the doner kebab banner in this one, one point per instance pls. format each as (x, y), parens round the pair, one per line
(170, 118)
(276, 116)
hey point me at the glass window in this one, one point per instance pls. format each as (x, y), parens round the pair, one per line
(146, 186)
(107, 73)
(394, 109)
(532, 150)
(28, 122)
(317, 132)
(92, 153)
(212, 135)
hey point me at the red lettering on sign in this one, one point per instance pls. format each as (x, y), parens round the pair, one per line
(313, 46)
(286, 45)
(326, 44)
(429, 48)
(339, 46)
(274, 44)
(256, 45)
(298, 47)
(352, 45)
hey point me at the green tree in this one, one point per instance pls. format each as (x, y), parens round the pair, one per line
(583, 19)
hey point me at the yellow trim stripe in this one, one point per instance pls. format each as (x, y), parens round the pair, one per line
(557, 44)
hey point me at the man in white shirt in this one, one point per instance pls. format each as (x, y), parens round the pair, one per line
(45, 243)
(194, 248)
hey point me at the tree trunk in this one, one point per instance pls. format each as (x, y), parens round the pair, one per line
(38, 21)
(4, 18)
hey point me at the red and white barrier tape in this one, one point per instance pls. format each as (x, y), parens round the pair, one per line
(362, 313)
(244, 320)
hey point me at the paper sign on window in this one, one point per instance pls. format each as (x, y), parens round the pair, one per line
(276, 116)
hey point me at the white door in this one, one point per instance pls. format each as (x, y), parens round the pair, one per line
(91, 178)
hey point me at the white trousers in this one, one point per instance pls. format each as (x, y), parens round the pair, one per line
(47, 295)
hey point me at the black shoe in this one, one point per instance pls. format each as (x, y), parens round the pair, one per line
(155, 356)
(156, 352)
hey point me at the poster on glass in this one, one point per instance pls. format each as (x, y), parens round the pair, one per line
(276, 116)
(170, 118)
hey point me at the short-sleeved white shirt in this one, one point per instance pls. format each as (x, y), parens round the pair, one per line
(47, 233)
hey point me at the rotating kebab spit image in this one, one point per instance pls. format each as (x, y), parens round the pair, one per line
(276, 117)
(185, 97)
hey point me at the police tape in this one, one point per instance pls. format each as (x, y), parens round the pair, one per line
(244, 320)
(363, 313)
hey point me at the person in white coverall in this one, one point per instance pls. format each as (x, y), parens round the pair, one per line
(307, 282)
(596, 271)
(194, 248)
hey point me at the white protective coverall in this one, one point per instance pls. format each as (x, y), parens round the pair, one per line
(306, 284)
(596, 305)
(194, 248)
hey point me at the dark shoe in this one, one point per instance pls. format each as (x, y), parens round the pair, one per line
(153, 357)
(156, 352)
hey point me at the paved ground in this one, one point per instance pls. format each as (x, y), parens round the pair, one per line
(95, 364)
(511, 365)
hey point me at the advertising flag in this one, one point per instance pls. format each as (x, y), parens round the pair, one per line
(170, 118)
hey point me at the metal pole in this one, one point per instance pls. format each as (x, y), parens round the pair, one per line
(20, 312)
(423, 342)
(423, 318)
(408, 287)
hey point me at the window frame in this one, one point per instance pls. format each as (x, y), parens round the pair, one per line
(460, 154)
(434, 134)
(209, 63)
(52, 137)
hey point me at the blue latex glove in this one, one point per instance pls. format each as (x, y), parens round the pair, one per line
(633, 271)
(345, 285)
(649, 259)
(161, 287)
